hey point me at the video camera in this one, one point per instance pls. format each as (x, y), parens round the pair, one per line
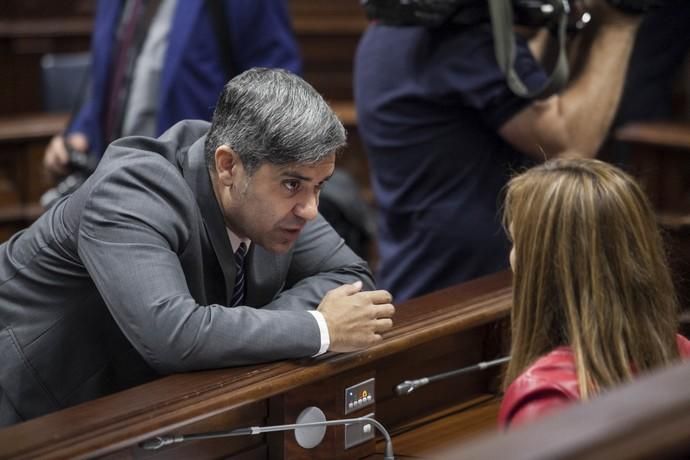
(80, 167)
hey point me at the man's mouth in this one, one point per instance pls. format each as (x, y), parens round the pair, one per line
(294, 230)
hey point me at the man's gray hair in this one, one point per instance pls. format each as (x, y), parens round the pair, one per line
(273, 116)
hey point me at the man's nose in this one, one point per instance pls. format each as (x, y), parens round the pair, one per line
(309, 209)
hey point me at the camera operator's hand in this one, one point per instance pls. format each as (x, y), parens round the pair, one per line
(356, 319)
(56, 157)
(579, 117)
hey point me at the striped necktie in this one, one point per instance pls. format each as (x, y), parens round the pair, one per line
(238, 293)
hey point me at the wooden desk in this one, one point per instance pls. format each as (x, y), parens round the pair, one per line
(448, 329)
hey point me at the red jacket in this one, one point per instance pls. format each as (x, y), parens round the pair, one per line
(550, 383)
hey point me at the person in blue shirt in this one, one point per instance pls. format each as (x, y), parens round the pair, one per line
(443, 132)
(180, 69)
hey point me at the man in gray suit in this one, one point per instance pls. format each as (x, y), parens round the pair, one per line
(140, 272)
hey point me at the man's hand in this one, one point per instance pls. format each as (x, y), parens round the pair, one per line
(578, 119)
(55, 158)
(356, 319)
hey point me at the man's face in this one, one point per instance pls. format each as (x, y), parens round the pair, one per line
(271, 206)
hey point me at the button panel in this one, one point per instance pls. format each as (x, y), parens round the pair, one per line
(360, 395)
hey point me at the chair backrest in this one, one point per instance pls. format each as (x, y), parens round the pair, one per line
(65, 81)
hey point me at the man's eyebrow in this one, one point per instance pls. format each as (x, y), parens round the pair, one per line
(296, 175)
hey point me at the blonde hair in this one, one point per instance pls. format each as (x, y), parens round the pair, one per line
(590, 273)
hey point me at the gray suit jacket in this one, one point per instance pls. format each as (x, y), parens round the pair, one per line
(129, 278)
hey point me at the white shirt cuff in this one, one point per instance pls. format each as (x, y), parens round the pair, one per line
(323, 328)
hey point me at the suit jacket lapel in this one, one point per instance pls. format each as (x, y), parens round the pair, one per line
(197, 176)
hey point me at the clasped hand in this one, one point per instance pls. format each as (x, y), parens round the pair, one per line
(355, 318)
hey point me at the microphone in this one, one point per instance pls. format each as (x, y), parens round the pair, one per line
(408, 386)
(309, 431)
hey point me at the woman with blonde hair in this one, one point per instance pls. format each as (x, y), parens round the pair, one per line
(593, 300)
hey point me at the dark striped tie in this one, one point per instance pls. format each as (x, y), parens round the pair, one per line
(238, 293)
(125, 56)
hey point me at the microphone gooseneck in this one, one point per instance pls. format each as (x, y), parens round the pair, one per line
(166, 440)
(408, 386)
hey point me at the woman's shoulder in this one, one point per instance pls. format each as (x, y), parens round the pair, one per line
(556, 367)
(549, 382)
(683, 346)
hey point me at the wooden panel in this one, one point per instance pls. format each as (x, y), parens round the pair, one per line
(660, 160)
(327, 395)
(327, 32)
(10, 9)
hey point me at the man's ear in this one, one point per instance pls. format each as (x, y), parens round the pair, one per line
(227, 165)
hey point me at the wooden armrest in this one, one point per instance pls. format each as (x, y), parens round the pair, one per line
(666, 134)
(675, 222)
(32, 126)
